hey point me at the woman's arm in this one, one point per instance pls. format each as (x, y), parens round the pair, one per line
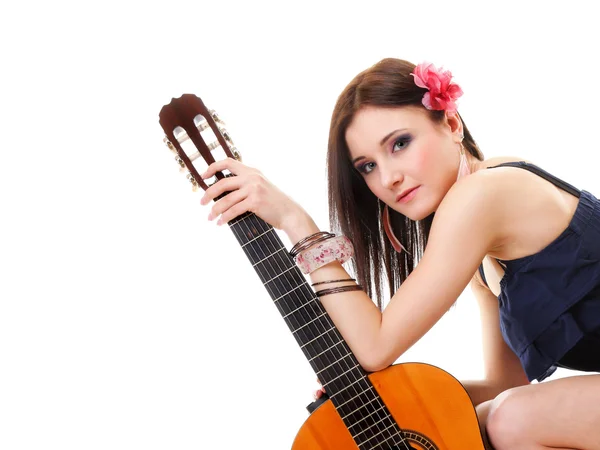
(464, 230)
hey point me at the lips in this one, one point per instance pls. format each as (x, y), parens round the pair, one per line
(401, 196)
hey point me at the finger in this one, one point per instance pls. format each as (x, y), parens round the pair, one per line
(224, 185)
(236, 210)
(233, 165)
(226, 203)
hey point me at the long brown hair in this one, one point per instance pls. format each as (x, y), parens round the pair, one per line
(353, 209)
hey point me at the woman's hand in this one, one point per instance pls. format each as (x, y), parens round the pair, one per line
(249, 190)
(318, 393)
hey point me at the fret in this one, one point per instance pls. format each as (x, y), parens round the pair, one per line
(335, 362)
(341, 375)
(321, 347)
(378, 423)
(300, 301)
(287, 293)
(241, 218)
(361, 402)
(387, 428)
(381, 408)
(255, 238)
(333, 373)
(269, 256)
(272, 268)
(278, 275)
(351, 385)
(364, 405)
(311, 302)
(257, 251)
(318, 345)
(326, 350)
(325, 354)
(308, 323)
(332, 328)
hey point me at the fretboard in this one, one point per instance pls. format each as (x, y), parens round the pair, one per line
(354, 397)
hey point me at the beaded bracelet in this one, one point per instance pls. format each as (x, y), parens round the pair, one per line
(337, 248)
(335, 290)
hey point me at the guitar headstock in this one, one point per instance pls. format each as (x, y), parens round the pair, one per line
(196, 135)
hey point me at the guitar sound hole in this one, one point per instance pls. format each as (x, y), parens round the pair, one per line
(415, 441)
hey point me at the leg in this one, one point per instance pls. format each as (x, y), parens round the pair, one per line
(559, 414)
(483, 410)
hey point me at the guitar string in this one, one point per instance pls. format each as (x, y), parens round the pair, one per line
(308, 324)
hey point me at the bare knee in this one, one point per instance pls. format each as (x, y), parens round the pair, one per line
(507, 419)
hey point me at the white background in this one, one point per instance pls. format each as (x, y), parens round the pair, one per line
(127, 320)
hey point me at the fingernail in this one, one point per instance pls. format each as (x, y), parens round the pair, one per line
(210, 216)
(219, 222)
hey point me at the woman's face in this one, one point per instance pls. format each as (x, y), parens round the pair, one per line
(398, 149)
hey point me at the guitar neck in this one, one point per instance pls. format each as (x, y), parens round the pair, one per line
(348, 387)
(350, 390)
(322, 344)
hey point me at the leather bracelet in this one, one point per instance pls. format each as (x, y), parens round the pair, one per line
(356, 287)
(333, 281)
(309, 241)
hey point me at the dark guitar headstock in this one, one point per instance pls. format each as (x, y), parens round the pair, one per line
(195, 135)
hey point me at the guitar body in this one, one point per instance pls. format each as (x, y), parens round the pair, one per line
(430, 405)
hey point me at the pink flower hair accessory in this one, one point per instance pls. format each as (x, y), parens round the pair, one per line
(442, 93)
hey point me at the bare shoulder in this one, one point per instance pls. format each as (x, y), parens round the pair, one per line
(526, 211)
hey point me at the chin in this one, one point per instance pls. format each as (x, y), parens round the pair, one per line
(417, 210)
(418, 216)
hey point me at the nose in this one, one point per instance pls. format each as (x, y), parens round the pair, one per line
(390, 177)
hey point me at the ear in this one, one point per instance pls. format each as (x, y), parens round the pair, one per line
(454, 125)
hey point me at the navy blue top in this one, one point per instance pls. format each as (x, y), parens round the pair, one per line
(551, 299)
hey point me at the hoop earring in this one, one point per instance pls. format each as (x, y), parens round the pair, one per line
(387, 227)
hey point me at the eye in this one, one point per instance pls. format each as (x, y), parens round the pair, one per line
(401, 142)
(366, 168)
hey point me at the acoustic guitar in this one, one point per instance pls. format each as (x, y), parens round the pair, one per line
(406, 406)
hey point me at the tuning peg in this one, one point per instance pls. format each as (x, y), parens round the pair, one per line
(169, 144)
(226, 135)
(192, 180)
(236, 154)
(180, 162)
(216, 117)
(234, 151)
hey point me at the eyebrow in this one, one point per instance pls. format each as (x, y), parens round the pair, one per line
(383, 141)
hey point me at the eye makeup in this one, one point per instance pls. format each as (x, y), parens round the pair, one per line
(395, 145)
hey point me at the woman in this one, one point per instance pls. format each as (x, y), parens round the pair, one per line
(403, 165)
